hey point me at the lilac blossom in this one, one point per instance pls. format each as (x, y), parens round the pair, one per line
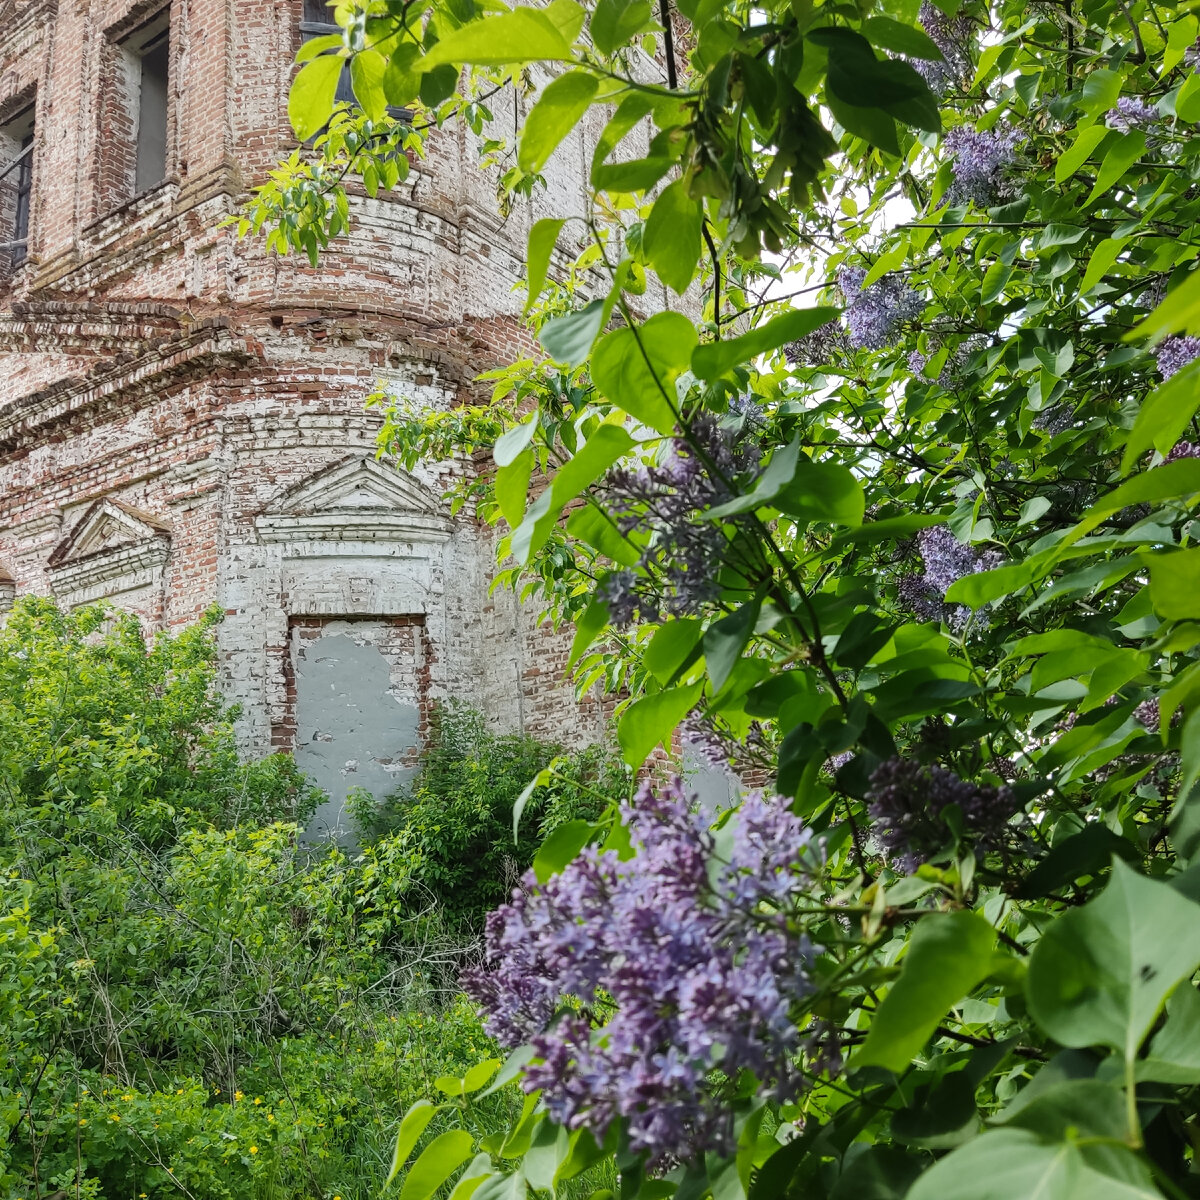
(1174, 353)
(1184, 450)
(668, 500)
(635, 981)
(873, 314)
(954, 37)
(946, 560)
(1131, 113)
(981, 164)
(817, 349)
(908, 801)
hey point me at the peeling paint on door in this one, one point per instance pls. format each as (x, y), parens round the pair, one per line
(357, 713)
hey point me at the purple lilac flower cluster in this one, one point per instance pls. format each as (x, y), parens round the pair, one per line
(946, 560)
(954, 37)
(873, 314)
(817, 349)
(908, 800)
(1184, 450)
(691, 957)
(668, 500)
(981, 164)
(1174, 353)
(1130, 113)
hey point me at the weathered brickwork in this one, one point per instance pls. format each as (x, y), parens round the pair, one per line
(181, 413)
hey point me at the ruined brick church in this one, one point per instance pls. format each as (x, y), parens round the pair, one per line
(181, 413)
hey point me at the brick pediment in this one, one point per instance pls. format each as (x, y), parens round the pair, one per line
(107, 525)
(359, 499)
(112, 548)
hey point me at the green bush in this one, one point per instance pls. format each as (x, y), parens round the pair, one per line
(192, 1003)
(456, 818)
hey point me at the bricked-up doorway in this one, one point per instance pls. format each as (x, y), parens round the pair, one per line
(358, 706)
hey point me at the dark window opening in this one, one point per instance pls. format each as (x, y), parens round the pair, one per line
(154, 59)
(16, 186)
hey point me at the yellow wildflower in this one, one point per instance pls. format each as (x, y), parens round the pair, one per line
(257, 1099)
(114, 1116)
(237, 1095)
(253, 1149)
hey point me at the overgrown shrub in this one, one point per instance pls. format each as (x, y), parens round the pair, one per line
(192, 1003)
(456, 818)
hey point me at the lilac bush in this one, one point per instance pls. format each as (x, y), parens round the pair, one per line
(954, 37)
(874, 314)
(646, 985)
(946, 560)
(982, 164)
(908, 801)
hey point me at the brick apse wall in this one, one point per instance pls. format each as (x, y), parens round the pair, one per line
(181, 414)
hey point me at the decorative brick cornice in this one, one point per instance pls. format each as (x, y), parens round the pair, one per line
(209, 346)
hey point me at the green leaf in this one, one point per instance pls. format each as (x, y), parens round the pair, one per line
(478, 1169)
(411, 1127)
(561, 847)
(1103, 257)
(588, 627)
(542, 778)
(1079, 151)
(1174, 1055)
(1085, 853)
(871, 124)
(1178, 313)
(512, 441)
(557, 111)
(437, 85)
(725, 640)
(614, 22)
(521, 36)
(1187, 103)
(569, 339)
(402, 77)
(366, 77)
(781, 470)
(994, 279)
(436, 1163)
(671, 646)
(1170, 481)
(543, 237)
(596, 528)
(606, 445)
(671, 240)
(1005, 1164)
(310, 101)
(714, 359)
(1175, 583)
(948, 955)
(1100, 91)
(637, 368)
(653, 719)
(1164, 415)
(512, 487)
(1121, 155)
(1099, 974)
(823, 491)
(900, 38)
